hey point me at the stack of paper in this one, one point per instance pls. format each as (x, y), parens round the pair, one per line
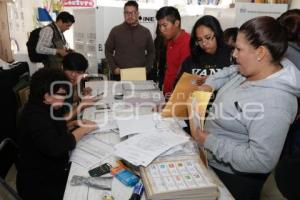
(143, 148)
(139, 85)
(90, 151)
(144, 98)
(184, 177)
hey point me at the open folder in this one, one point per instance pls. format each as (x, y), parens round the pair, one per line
(176, 106)
(133, 74)
(197, 106)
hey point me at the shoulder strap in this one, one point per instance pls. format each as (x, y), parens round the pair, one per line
(56, 34)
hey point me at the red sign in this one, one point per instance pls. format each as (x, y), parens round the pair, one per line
(79, 3)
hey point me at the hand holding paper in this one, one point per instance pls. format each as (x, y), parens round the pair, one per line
(200, 136)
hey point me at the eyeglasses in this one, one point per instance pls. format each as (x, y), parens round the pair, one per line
(130, 13)
(206, 39)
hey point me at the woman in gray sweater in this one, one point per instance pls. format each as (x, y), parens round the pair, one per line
(255, 105)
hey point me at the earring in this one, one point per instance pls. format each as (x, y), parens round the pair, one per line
(258, 59)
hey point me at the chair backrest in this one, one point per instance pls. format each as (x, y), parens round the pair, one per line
(21, 90)
(8, 156)
(133, 74)
(7, 192)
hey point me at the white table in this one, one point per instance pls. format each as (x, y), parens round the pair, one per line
(119, 191)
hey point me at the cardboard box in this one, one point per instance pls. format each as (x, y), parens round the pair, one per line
(5, 48)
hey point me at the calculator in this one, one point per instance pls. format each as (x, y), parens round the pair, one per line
(100, 170)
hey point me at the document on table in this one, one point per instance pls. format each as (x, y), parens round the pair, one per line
(136, 124)
(143, 148)
(90, 151)
(148, 123)
(139, 85)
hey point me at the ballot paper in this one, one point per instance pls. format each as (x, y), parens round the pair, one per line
(90, 151)
(143, 148)
(148, 123)
(136, 124)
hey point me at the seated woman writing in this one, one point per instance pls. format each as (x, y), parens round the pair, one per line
(44, 138)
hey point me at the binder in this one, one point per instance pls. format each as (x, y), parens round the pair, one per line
(179, 177)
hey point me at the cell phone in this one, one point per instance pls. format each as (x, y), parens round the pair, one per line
(124, 175)
(100, 170)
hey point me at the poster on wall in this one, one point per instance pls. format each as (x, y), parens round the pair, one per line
(79, 3)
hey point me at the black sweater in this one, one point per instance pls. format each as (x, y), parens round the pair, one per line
(207, 64)
(44, 153)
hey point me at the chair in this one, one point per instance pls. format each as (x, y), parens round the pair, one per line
(8, 156)
(133, 74)
(21, 90)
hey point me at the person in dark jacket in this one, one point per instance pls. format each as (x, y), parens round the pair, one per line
(74, 66)
(290, 20)
(287, 172)
(209, 53)
(44, 139)
(159, 64)
(129, 44)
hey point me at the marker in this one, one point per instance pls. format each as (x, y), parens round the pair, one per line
(137, 191)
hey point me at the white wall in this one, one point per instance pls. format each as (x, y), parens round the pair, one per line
(295, 4)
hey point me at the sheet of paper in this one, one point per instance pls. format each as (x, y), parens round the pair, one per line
(90, 151)
(152, 122)
(143, 148)
(136, 124)
(108, 88)
(202, 99)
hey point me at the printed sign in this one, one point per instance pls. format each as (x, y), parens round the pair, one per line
(79, 3)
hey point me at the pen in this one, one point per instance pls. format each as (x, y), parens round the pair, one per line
(237, 106)
(137, 191)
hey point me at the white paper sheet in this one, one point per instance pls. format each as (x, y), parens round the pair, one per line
(143, 148)
(90, 151)
(136, 124)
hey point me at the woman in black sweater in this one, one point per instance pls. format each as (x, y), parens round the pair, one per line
(44, 138)
(209, 53)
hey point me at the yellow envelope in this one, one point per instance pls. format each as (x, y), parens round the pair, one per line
(197, 105)
(177, 104)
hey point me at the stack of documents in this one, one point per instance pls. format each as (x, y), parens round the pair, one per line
(148, 123)
(144, 98)
(90, 150)
(139, 85)
(181, 177)
(142, 149)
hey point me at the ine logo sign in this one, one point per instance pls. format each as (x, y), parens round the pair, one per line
(146, 19)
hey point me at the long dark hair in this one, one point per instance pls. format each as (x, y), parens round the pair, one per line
(212, 23)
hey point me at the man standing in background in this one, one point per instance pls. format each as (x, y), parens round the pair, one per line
(52, 41)
(129, 44)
